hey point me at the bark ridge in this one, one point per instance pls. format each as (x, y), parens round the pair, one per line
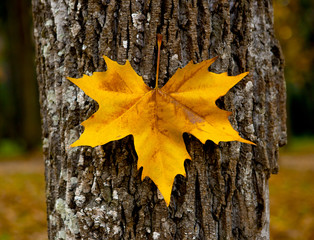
(96, 193)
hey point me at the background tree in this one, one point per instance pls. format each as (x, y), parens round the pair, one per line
(293, 27)
(19, 108)
(96, 193)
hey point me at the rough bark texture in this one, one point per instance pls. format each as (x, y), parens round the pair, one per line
(96, 193)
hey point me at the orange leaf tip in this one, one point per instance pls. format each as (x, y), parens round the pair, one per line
(157, 118)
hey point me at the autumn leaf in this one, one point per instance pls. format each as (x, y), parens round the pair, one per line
(157, 118)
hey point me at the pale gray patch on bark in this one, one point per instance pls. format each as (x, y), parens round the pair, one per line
(97, 193)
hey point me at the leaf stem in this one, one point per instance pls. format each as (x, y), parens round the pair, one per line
(159, 40)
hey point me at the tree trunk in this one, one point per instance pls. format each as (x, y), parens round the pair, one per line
(97, 193)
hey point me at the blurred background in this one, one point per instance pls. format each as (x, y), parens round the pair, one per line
(22, 200)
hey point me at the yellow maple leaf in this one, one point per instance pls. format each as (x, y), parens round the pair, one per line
(158, 117)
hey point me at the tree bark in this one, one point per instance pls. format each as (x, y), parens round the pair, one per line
(97, 193)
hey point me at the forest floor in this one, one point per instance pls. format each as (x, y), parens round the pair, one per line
(292, 198)
(23, 213)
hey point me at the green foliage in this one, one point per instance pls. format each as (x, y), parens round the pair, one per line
(5, 236)
(299, 145)
(10, 148)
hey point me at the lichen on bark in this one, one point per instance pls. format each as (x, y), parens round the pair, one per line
(225, 192)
